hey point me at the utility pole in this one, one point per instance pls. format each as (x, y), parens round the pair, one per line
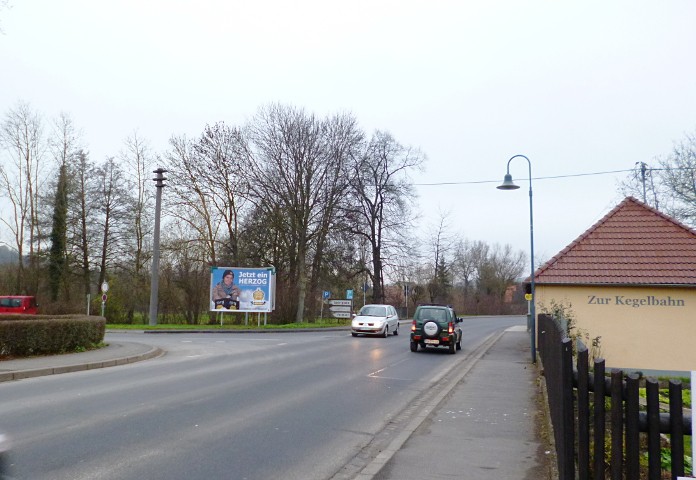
(154, 284)
(643, 169)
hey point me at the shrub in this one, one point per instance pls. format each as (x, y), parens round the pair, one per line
(22, 335)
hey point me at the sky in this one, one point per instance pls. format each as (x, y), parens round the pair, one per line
(579, 88)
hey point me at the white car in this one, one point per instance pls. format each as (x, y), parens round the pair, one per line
(4, 462)
(376, 320)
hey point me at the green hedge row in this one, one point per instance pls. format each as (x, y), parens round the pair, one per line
(23, 335)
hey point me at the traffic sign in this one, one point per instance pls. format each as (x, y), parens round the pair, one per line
(340, 308)
(104, 298)
(341, 302)
(341, 314)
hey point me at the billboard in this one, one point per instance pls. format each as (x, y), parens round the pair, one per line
(234, 289)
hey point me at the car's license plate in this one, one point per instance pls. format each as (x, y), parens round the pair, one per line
(432, 342)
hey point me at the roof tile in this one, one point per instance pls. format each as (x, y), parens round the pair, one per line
(634, 244)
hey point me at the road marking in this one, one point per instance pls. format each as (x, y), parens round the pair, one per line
(517, 328)
(376, 373)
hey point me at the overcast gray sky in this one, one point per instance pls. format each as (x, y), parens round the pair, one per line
(578, 87)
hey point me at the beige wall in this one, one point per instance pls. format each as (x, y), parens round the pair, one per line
(644, 328)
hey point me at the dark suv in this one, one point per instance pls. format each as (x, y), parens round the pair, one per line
(436, 326)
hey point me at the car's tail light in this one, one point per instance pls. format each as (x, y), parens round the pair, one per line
(413, 326)
(450, 328)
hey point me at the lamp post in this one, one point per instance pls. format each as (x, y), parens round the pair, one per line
(508, 184)
(154, 285)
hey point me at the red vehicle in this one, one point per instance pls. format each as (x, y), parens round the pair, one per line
(18, 304)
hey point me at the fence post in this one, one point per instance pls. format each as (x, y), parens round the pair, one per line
(600, 428)
(568, 412)
(654, 460)
(616, 425)
(632, 428)
(676, 427)
(583, 414)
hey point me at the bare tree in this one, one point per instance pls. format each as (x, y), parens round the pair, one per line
(678, 177)
(83, 212)
(468, 258)
(441, 244)
(186, 274)
(331, 247)
(189, 200)
(297, 171)
(111, 192)
(22, 138)
(501, 269)
(382, 191)
(223, 156)
(137, 160)
(671, 185)
(4, 4)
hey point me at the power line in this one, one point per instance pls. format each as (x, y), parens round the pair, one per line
(474, 182)
(533, 178)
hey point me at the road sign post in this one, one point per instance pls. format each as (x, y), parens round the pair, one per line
(341, 308)
(103, 302)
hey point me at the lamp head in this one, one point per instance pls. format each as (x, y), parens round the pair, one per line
(508, 184)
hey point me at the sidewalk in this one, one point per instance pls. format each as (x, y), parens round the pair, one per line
(487, 427)
(114, 354)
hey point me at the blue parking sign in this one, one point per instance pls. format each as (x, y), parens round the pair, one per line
(327, 294)
(349, 294)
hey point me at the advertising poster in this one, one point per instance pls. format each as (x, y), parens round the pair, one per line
(234, 289)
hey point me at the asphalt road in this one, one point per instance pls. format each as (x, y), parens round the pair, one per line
(253, 406)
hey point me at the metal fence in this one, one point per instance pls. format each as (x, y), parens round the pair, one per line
(582, 401)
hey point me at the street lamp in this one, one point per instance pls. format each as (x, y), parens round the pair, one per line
(154, 285)
(508, 184)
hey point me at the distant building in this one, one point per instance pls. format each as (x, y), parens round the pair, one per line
(631, 280)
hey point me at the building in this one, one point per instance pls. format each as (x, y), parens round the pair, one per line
(631, 281)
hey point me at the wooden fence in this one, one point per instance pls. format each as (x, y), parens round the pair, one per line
(585, 447)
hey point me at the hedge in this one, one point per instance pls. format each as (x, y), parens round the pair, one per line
(24, 335)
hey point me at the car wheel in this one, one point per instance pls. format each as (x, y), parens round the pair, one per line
(414, 346)
(452, 350)
(354, 334)
(459, 344)
(386, 331)
(396, 330)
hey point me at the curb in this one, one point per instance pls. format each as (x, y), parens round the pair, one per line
(343, 328)
(40, 372)
(279, 330)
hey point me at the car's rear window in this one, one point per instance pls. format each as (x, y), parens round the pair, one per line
(437, 314)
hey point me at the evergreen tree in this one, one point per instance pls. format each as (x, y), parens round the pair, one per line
(57, 259)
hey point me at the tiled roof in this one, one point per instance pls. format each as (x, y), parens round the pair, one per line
(634, 244)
